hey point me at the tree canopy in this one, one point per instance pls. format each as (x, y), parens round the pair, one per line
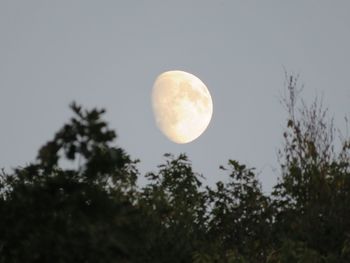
(79, 201)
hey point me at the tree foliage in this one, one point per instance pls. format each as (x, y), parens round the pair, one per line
(79, 201)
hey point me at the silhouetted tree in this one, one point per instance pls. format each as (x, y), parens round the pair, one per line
(86, 214)
(310, 201)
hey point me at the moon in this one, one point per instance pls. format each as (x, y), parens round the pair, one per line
(182, 106)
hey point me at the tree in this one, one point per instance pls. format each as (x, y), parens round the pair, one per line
(51, 214)
(310, 200)
(240, 217)
(174, 200)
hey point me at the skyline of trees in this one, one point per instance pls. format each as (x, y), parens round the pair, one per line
(94, 211)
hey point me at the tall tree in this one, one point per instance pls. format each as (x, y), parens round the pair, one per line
(83, 214)
(310, 199)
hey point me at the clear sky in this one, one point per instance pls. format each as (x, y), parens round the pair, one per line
(108, 54)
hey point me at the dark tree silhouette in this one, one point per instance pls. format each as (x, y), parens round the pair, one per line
(79, 202)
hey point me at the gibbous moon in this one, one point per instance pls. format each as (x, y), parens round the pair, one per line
(182, 106)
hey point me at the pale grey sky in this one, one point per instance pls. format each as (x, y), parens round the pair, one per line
(108, 54)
